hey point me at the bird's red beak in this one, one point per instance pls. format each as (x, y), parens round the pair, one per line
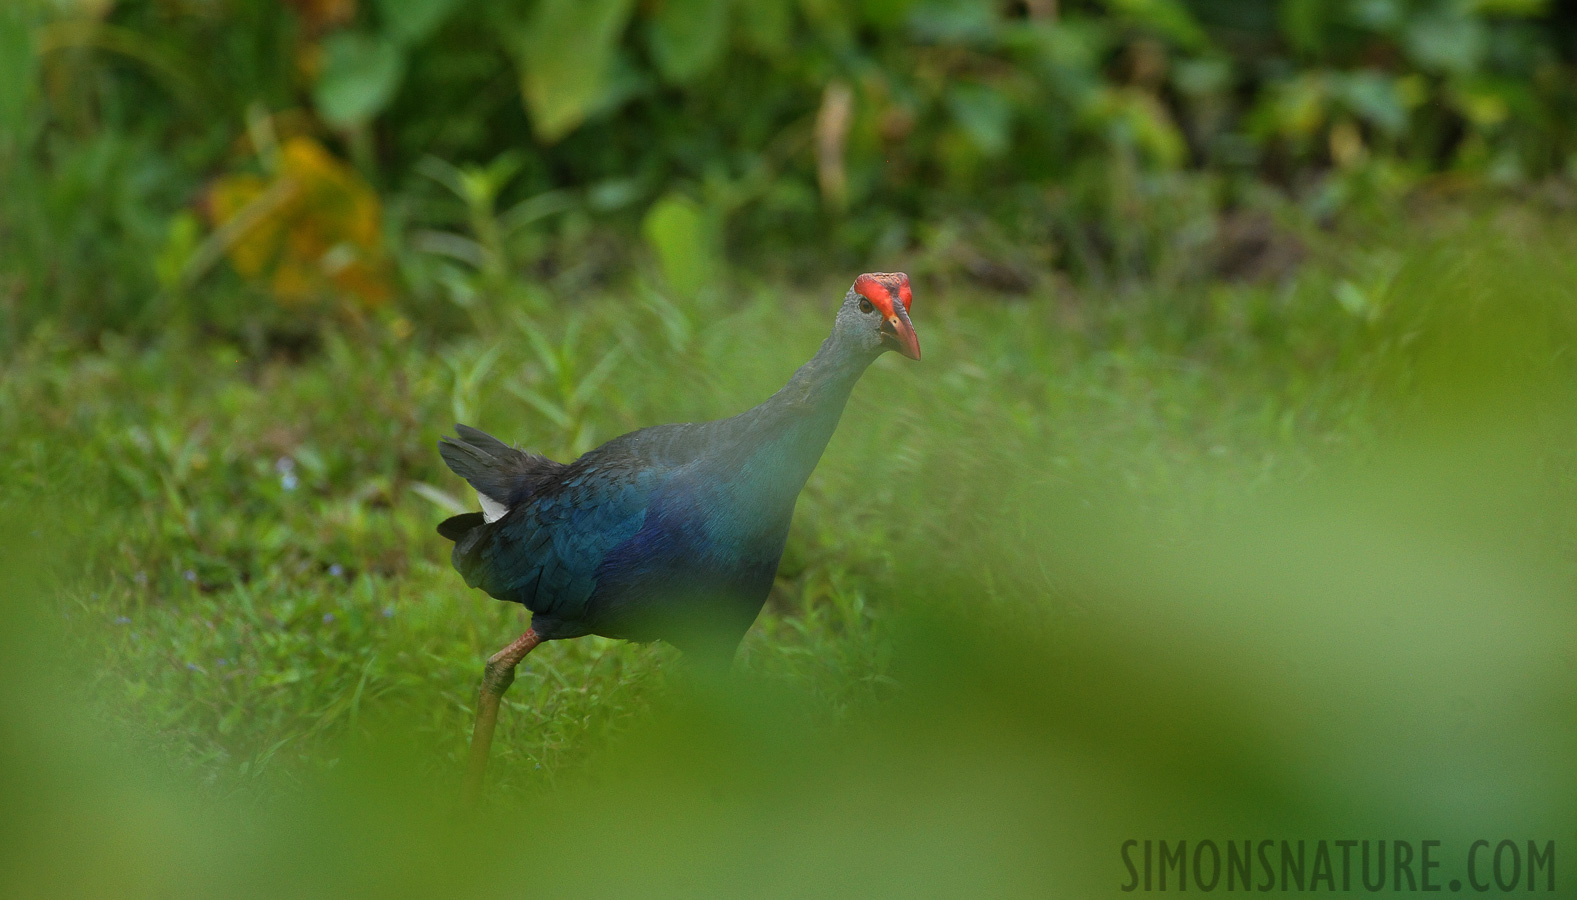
(898, 333)
(889, 292)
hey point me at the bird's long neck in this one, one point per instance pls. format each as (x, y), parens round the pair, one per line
(822, 385)
(792, 427)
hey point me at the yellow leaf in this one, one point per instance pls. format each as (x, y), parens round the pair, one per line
(314, 232)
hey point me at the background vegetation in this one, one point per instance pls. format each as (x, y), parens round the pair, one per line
(1233, 498)
(420, 153)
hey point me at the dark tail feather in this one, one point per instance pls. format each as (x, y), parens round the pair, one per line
(485, 442)
(476, 465)
(491, 466)
(456, 527)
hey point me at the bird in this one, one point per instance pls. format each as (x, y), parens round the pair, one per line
(671, 532)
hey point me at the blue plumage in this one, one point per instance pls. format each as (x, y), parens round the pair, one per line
(672, 532)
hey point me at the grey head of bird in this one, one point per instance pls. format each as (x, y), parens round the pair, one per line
(875, 315)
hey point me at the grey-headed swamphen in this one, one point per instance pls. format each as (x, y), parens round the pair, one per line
(667, 533)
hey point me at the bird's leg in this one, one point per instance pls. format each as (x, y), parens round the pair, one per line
(498, 675)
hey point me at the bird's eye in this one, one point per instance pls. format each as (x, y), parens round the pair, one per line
(865, 305)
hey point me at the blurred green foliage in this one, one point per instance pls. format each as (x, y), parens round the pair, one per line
(997, 142)
(1230, 525)
(1301, 570)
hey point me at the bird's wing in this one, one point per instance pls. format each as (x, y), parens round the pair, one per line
(503, 476)
(545, 553)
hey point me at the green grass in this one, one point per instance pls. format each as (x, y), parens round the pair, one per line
(265, 572)
(1244, 561)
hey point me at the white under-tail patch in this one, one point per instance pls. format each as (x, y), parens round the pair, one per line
(492, 510)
